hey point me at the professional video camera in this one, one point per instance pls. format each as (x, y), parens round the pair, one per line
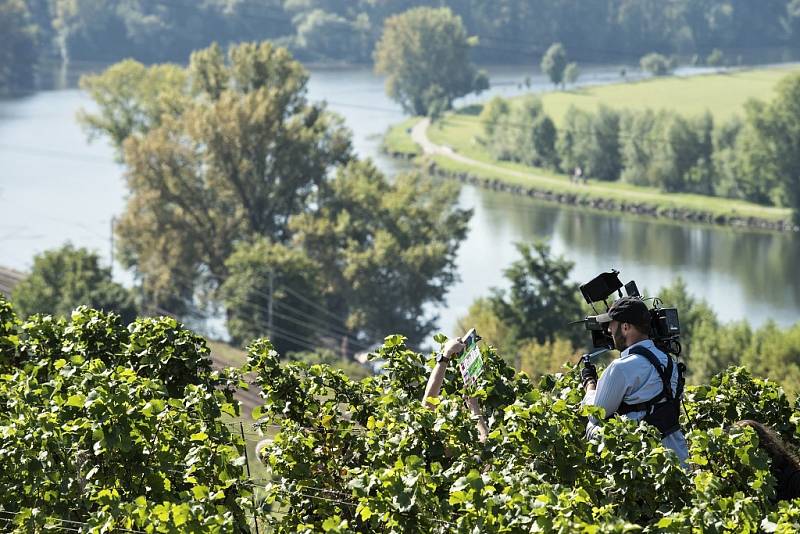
(665, 328)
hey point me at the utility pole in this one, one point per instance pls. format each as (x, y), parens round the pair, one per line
(113, 220)
(269, 308)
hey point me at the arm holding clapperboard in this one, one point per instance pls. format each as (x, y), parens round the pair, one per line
(453, 348)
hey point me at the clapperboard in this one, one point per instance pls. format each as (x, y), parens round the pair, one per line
(471, 363)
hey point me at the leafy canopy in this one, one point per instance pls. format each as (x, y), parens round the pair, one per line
(387, 250)
(234, 175)
(554, 63)
(65, 278)
(424, 54)
(541, 299)
(119, 428)
(224, 150)
(116, 428)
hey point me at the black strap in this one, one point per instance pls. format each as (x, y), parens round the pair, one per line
(666, 383)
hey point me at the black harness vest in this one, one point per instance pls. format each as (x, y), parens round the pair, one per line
(663, 410)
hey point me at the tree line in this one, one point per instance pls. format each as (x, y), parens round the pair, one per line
(753, 157)
(511, 31)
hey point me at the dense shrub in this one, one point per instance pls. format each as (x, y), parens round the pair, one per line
(106, 428)
(369, 457)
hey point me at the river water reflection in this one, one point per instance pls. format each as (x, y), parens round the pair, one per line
(55, 187)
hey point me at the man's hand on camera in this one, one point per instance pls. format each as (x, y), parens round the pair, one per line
(451, 348)
(588, 374)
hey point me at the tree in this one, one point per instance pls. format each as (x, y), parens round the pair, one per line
(133, 99)
(492, 113)
(65, 278)
(424, 54)
(387, 250)
(716, 58)
(554, 62)
(262, 271)
(493, 331)
(236, 156)
(18, 47)
(592, 142)
(541, 299)
(638, 146)
(571, 73)
(521, 132)
(777, 143)
(741, 164)
(328, 35)
(533, 131)
(656, 64)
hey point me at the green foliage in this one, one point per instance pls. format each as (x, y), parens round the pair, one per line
(592, 142)
(65, 278)
(386, 250)
(656, 64)
(369, 457)
(116, 428)
(424, 54)
(325, 35)
(103, 30)
(238, 154)
(353, 369)
(246, 293)
(233, 174)
(571, 73)
(132, 99)
(541, 297)
(776, 126)
(710, 346)
(492, 113)
(521, 132)
(554, 63)
(716, 58)
(18, 47)
(347, 30)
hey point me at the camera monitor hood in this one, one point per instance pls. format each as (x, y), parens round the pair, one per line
(599, 288)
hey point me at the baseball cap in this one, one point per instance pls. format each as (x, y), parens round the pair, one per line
(626, 310)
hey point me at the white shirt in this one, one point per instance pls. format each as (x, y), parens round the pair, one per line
(633, 379)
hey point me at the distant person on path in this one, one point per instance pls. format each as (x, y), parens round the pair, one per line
(642, 384)
(576, 175)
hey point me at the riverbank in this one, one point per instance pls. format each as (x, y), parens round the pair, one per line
(519, 179)
(450, 147)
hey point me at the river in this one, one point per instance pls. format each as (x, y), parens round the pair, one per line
(57, 187)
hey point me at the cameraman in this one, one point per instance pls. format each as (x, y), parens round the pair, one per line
(642, 383)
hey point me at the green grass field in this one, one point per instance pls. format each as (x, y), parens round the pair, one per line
(721, 94)
(398, 138)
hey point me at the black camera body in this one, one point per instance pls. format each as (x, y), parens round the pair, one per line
(665, 329)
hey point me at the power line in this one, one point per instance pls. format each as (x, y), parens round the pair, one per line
(294, 336)
(326, 325)
(53, 153)
(12, 516)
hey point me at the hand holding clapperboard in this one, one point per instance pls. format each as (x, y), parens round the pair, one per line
(470, 363)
